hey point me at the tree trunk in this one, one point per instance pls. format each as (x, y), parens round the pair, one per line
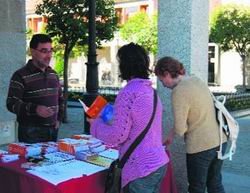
(243, 57)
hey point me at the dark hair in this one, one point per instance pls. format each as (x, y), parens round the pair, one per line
(39, 38)
(133, 62)
(170, 65)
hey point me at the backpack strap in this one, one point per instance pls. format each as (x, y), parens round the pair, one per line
(219, 117)
(140, 137)
(226, 122)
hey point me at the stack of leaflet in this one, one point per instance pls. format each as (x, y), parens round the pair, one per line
(24, 149)
(48, 147)
(6, 157)
(82, 136)
(72, 146)
(95, 145)
(77, 144)
(56, 157)
(84, 155)
(98, 154)
(103, 159)
(2, 152)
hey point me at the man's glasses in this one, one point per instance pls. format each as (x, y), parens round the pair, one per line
(45, 51)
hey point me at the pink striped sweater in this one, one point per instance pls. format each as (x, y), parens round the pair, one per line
(132, 110)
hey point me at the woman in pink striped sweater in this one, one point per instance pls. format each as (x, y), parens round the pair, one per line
(133, 107)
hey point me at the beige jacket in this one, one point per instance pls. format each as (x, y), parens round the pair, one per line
(194, 115)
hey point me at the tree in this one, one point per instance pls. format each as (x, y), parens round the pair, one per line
(68, 21)
(58, 48)
(142, 30)
(230, 28)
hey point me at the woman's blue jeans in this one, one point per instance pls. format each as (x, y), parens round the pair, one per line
(147, 184)
(204, 171)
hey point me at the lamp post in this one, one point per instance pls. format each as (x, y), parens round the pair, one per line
(92, 84)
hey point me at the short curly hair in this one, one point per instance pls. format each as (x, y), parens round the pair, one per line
(170, 65)
(133, 62)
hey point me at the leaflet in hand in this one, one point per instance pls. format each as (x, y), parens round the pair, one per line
(85, 107)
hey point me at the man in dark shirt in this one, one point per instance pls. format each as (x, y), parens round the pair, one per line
(35, 95)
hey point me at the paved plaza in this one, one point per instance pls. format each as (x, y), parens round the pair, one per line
(236, 173)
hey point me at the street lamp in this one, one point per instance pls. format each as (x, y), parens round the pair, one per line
(92, 84)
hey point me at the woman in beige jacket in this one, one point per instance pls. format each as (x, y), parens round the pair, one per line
(194, 118)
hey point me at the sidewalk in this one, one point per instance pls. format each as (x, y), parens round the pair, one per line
(236, 173)
(234, 183)
(241, 113)
(75, 123)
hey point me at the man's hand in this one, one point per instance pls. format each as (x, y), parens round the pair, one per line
(44, 111)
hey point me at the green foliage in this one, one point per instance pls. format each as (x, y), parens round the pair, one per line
(142, 30)
(230, 27)
(68, 20)
(58, 54)
(238, 102)
(58, 67)
(29, 33)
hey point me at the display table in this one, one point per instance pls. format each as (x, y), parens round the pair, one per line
(14, 179)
